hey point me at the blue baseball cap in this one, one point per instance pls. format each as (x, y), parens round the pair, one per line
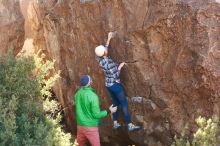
(85, 81)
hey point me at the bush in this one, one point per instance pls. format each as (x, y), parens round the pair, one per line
(206, 135)
(23, 121)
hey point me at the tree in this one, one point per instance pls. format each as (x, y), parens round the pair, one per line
(206, 134)
(23, 88)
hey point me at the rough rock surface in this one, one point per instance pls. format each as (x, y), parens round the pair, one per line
(173, 50)
(11, 26)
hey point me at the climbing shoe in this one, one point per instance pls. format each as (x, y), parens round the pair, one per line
(116, 125)
(132, 127)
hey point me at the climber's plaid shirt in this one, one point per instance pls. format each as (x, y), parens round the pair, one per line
(111, 71)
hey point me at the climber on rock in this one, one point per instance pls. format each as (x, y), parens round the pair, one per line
(88, 113)
(112, 82)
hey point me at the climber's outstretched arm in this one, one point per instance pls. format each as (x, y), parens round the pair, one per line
(110, 36)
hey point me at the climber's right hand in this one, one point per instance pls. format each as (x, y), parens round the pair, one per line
(113, 109)
(121, 65)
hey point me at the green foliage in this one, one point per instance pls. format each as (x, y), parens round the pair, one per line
(22, 116)
(181, 141)
(206, 135)
(47, 80)
(44, 76)
(207, 132)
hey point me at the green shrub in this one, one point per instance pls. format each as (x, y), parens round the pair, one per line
(23, 119)
(206, 135)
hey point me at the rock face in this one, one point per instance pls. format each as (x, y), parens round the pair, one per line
(172, 48)
(11, 26)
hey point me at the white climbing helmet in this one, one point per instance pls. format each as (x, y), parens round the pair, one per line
(100, 50)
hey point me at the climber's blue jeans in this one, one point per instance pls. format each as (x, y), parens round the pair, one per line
(117, 94)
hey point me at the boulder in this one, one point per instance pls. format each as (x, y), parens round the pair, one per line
(11, 26)
(172, 48)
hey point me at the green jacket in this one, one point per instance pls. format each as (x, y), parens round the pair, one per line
(87, 107)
